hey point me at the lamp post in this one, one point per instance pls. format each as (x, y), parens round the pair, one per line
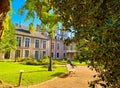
(50, 58)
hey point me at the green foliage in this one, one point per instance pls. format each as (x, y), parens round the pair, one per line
(31, 28)
(19, 59)
(28, 61)
(35, 8)
(8, 41)
(4, 8)
(44, 60)
(32, 62)
(59, 62)
(97, 35)
(41, 9)
(67, 41)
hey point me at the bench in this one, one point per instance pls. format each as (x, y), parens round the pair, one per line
(70, 69)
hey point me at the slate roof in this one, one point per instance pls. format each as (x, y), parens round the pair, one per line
(25, 32)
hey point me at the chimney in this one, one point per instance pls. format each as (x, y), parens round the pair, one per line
(16, 25)
(20, 26)
(38, 28)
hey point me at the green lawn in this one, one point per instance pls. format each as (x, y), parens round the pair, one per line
(9, 72)
(76, 62)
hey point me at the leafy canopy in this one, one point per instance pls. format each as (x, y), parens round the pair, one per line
(97, 35)
(8, 41)
(40, 9)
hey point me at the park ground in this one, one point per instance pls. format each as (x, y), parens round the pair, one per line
(80, 79)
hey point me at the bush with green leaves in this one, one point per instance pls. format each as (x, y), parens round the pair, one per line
(31, 61)
(28, 61)
(18, 59)
(44, 60)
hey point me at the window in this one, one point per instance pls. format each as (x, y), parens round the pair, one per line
(19, 41)
(64, 55)
(52, 46)
(57, 55)
(44, 53)
(26, 53)
(17, 53)
(27, 42)
(7, 55)
(36, 54)
(57, 46)
(44, 44)
(37, 43)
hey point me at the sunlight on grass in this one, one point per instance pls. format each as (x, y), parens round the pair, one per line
(76, 62)
(9, 72)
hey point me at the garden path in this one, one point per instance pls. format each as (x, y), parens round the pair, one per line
(79, 80)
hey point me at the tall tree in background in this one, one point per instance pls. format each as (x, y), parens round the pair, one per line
(4, 8)
(97, 34)
(8, 42)
(7, 28)
(41, 9)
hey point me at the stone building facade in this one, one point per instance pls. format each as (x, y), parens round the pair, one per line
(37, 44)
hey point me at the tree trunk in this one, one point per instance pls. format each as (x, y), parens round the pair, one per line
(4, 8)
(50, 58)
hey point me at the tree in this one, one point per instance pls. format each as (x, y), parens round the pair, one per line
(7, 33)
(41, 9)
(97, 34)
(4, 8)
(8, 41)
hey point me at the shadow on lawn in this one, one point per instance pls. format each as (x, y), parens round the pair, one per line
(35, 71)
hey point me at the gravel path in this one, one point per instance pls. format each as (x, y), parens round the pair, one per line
(79, 80)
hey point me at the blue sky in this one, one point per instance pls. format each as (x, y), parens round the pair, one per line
(16, 18)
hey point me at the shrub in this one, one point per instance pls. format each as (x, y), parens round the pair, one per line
(28, 61)
(19, 59)
(54, 62)
(31, 61)
(45, 60)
